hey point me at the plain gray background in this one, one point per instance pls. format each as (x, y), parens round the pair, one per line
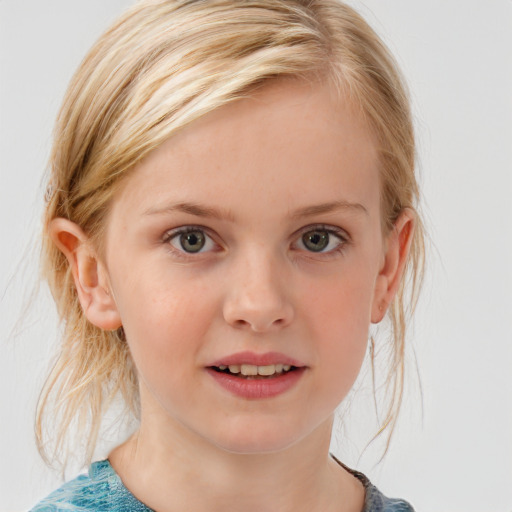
(457, 58)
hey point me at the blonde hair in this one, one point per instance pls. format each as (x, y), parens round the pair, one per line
(164, 64)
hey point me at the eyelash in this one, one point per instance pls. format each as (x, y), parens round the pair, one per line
(339, 233)
(175, 233)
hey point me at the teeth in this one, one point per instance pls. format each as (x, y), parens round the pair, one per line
(251, 370)
(267, 370)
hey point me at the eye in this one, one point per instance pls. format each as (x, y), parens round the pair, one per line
(321, 240)
(191, 240)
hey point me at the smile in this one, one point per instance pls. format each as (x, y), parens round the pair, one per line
(256, 376)
(251, 371)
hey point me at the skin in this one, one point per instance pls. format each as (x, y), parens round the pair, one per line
(263, 171)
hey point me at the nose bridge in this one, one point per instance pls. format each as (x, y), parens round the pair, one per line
(257, 297)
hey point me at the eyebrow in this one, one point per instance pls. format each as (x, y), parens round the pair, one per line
(199, 210)
(331, 207)
(192, 209)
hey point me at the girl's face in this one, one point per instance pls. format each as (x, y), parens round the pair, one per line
(248, 243)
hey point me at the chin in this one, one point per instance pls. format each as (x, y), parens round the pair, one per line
(257, 440)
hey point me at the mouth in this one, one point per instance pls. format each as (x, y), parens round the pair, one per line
(254, 376)
(255, 372)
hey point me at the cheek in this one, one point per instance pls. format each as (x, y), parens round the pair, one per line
(342, 303)
(339, 315)
(165, 324)
(346, 326)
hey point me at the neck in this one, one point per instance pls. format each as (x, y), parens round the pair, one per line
(170, 469)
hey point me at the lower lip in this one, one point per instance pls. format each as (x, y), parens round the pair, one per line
(257, 389)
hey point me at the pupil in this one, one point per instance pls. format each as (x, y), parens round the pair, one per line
(316, 241)
(192, 242)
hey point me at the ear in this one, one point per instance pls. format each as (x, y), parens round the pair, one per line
(89, 273)
(397, 246)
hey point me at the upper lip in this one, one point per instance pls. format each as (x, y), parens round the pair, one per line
(266, 359)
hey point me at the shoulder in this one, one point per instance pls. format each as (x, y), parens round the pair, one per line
(375, 501)
(84, 493)
(100, 489)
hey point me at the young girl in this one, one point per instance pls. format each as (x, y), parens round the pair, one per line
(231, 205)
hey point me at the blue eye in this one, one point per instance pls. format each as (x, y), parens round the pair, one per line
(191, 240)
(321, 240)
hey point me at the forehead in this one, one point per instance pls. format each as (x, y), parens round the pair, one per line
(292, 143)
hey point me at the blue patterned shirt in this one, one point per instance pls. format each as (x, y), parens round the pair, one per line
(103, 491)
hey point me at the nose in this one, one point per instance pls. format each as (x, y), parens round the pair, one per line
(258, 299)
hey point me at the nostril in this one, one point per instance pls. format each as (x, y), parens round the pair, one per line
(257, 312)
(259, 325)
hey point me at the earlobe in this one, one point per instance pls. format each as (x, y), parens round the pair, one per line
(89, 274)
(397, 249)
